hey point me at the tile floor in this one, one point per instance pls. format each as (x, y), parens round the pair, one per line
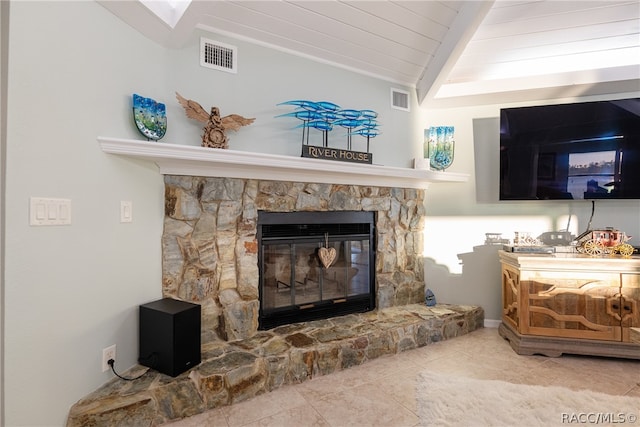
(382, 392)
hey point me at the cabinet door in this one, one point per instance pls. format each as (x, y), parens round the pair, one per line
(510, 285)
(630, 304)
(571, 304)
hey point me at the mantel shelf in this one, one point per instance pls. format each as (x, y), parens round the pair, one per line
(174, 159)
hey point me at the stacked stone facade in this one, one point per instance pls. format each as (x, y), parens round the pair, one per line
(210, 253)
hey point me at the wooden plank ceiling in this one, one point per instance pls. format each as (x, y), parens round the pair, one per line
(451, 52)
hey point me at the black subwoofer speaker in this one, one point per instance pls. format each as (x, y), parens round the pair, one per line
(169, 336)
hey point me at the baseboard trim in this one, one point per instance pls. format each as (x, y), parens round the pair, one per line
(490, 323)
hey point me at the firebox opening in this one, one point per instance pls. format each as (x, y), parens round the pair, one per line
(298, 284)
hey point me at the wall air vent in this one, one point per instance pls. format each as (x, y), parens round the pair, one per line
(219, 56)
(400, 99)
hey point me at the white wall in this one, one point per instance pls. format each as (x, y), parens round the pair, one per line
(459, 267)
(71, 291)
(267, 77)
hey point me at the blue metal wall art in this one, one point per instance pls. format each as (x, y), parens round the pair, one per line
(324, 116)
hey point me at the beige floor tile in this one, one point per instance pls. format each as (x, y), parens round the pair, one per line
(263, 406)
(605, 375)
(364, 405)
(294, 417)
(635, 392)
(402, 389)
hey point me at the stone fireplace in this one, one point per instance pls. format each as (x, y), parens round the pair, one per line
(211, 256)
(210, 242)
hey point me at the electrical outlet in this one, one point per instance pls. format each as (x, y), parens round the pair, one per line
(108, 353)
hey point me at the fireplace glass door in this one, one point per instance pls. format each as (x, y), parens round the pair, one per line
(294, 275)
(295, 285)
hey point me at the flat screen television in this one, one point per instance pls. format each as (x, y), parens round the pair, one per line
(587, 150)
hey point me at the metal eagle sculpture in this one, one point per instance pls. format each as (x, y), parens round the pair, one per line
(214, 132)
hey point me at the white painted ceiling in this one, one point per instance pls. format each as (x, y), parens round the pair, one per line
(452, 52)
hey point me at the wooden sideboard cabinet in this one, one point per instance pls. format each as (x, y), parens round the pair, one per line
(571, 303)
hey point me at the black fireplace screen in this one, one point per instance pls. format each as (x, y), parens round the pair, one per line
(295, 284)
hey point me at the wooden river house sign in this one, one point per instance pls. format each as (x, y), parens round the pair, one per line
(327, 153)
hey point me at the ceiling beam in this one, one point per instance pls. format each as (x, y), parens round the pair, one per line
(469, 18)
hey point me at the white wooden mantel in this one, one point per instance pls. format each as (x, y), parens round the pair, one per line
(174, 159)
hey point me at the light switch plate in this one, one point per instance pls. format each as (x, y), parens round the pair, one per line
(126, 211)
(49, 211)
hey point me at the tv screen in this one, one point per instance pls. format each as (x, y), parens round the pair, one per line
(588, 150)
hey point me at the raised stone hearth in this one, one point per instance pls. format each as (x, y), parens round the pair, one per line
(234, 371)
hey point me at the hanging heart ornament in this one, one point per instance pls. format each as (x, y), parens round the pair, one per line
(327, 256)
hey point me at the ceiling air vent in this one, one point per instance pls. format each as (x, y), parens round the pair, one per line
(218, 56)
(400, 99)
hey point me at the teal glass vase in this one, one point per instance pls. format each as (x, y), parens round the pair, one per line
(439, 147)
